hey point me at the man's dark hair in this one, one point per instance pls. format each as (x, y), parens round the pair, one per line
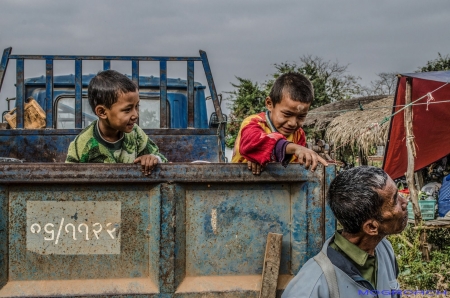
(105, 87)
(353, 196)
(296, 85)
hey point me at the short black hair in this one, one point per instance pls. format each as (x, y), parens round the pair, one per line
(105, 87)
(294, 84)
(353, 196)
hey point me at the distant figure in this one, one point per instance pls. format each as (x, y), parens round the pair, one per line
(114, 137)
(357, 261)
(277, 135)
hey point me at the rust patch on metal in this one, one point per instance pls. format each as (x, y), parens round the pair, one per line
(94, 287)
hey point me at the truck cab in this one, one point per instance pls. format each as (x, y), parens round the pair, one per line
(63, 101)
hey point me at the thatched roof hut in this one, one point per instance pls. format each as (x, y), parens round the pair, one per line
(320, 117)
(361, 128)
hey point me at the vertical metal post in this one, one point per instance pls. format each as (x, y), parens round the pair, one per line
(190, 92)
(328, 215)
(163, 94)
(4, 64)
(167, 261)
(106, 64)
(78, 93)
(135, 71)
(4, 235)
(20, 92)
(217, 108)
(49, 93)
(135, 76)
(212, 86)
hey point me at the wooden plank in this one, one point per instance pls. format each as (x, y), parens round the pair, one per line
(271, 266)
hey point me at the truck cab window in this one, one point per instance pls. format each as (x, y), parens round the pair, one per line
(149, 112)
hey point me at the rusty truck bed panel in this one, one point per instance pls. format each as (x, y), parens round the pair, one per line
(188, 230)
(41, 145)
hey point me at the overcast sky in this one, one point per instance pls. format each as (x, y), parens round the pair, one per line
(242, 38)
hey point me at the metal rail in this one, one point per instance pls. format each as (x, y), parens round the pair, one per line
(49, 60)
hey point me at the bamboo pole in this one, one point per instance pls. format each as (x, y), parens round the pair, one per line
(410, 145)
(411, 149)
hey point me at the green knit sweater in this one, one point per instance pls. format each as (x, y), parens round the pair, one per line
(90, 147)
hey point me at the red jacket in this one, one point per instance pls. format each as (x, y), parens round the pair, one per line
(256, 141)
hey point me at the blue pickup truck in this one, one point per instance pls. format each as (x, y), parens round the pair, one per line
(189, 229)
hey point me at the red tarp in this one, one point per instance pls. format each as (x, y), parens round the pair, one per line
(431, 127)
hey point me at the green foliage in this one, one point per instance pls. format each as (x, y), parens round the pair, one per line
(247, 99)
(416, 273)
(440, 63)
(330, 80)
(440, 238)
(148, 119)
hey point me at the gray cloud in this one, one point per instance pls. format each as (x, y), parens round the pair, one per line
(242, 38)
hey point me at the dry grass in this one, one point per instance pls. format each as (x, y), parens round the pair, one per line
(320, 117)
(360, 128)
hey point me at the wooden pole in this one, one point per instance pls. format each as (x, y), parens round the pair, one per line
(411, 155)
(271, 267)
(410, 145)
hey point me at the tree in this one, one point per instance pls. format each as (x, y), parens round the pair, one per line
(384, 85)
(440, 63)
(248, 98)
(148, 119)
(330, 79)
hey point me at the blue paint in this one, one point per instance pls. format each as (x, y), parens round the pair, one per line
(244, 215)
(135, 205)
(53, 147)
(4, 64)
(299, 227)
(166, 264)
(229, 213)
(48, 93)
(330, 221)
(120, 58)
(190, 92)
(20, 90)
(106, 64)
(75, 216)
(78, 93)
(4, 241)
(65, 81)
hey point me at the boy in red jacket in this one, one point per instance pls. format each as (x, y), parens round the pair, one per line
(277, 135)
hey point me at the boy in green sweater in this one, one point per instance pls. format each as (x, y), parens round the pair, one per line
(114, 137)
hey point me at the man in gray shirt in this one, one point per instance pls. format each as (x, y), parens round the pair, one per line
(357, 261)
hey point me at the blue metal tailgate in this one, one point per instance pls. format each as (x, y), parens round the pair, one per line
(188, 230)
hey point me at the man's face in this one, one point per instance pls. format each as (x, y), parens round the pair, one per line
(124, 113)
(393, 212)
(288, 115)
